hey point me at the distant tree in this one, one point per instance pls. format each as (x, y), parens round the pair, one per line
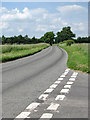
(79, 39)
(69, 42)
(48, 37)
(0, 40)
(83, 40)
(26, 39)
(20, 39)
(3, 39)
(65, 34)
(34, 40)
(89, 39)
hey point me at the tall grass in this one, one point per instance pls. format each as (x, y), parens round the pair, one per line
(12, 52)
(77, 56)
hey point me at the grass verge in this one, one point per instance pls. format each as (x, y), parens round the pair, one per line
(12, 52)
(77, 56)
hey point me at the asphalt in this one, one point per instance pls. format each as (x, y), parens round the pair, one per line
(24, 80)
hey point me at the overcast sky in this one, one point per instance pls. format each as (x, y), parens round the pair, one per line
(35, 19)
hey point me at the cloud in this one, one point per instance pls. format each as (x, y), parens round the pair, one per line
(35, 22)
(70, 8)
(20, 30)
(3, 25)
(41, 28)
(79, 26)
(26, 13)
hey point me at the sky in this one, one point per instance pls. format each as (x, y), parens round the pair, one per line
(37, 18)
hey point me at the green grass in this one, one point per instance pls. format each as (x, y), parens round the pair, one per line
(77, 56)
(12, 52)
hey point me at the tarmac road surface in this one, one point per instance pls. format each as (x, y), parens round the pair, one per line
(41, 86)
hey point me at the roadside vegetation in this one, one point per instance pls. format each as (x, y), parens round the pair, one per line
(77, 56)
(12, 52)
(77, 48)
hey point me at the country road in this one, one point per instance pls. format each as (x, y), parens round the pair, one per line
(41, 86)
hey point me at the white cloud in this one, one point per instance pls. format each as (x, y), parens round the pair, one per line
(20, 30)
(15, 14)
(53, 26)
(79, 26)
(35, 22)
(45, 16)
(71, 9)
(3, 10)
(38, 20)
(3, 25)
(41, 28)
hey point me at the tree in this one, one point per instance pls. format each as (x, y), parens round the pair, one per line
(79, 39)
(48, 37)
(65, 34)
(3, 39)
(34, 40)
(20, 39)
(69, 42)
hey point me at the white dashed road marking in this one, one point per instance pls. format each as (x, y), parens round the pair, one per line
(60, 78)
(23, 115)
(64, 91)
(43, 96)
(57, 82)
(47, 115)
(67, 69)
(69, 83)
(67, 86)
(73, 76)
(75, 73)
(53, 106)
(53, 86)
(60, 97)
(65, 73)
(49, 90)
(32, 106)
(72, 79)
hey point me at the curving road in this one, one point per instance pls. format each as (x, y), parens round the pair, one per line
(25, 80)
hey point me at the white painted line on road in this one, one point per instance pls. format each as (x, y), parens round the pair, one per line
(47, 115)
(69, 83)
(23, 115)
(49, 90)
(60, 97)
(53, 106)
(53, 86)
(75, 73)
(43, 96)
(32, 106)
(72, 79)
(65, 73)
(60, 78)
(73, 76)
(65, 91)
(57, 82)
(67, 70)
(67, 86)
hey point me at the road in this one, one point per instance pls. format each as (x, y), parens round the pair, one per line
(41, 86)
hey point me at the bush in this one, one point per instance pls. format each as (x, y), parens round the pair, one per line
(69, 42)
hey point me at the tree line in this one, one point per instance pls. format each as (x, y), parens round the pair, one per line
(49, 37)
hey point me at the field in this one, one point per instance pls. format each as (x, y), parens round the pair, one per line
(12, 52)
(77, 56)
